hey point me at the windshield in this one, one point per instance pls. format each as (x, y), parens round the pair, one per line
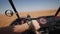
(36, 8)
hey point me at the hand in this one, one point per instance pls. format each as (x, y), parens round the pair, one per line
(34, 26)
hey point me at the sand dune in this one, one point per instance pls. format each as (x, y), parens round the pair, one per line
(6, 21)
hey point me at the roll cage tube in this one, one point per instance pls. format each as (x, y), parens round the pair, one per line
(57, 11)
(11, 2)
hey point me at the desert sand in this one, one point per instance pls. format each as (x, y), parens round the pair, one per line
(6, 21)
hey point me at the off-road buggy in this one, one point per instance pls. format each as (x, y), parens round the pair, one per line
(49, 24)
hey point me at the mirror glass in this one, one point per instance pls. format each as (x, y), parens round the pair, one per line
(9, 13)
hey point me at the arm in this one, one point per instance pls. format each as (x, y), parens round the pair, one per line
(14, 29)
(20, 28)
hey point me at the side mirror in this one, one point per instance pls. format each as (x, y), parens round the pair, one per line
(9, 13)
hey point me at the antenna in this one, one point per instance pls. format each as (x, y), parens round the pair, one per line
(57, 11)
(11, 2)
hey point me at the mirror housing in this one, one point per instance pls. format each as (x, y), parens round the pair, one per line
(9, 13)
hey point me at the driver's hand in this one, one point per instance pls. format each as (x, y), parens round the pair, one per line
(34, 25)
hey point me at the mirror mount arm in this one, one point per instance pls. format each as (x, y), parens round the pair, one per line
(11, 2)
(57, 11)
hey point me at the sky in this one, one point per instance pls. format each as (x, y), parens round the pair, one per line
(29, 5)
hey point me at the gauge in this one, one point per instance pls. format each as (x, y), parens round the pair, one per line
(42, 21)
